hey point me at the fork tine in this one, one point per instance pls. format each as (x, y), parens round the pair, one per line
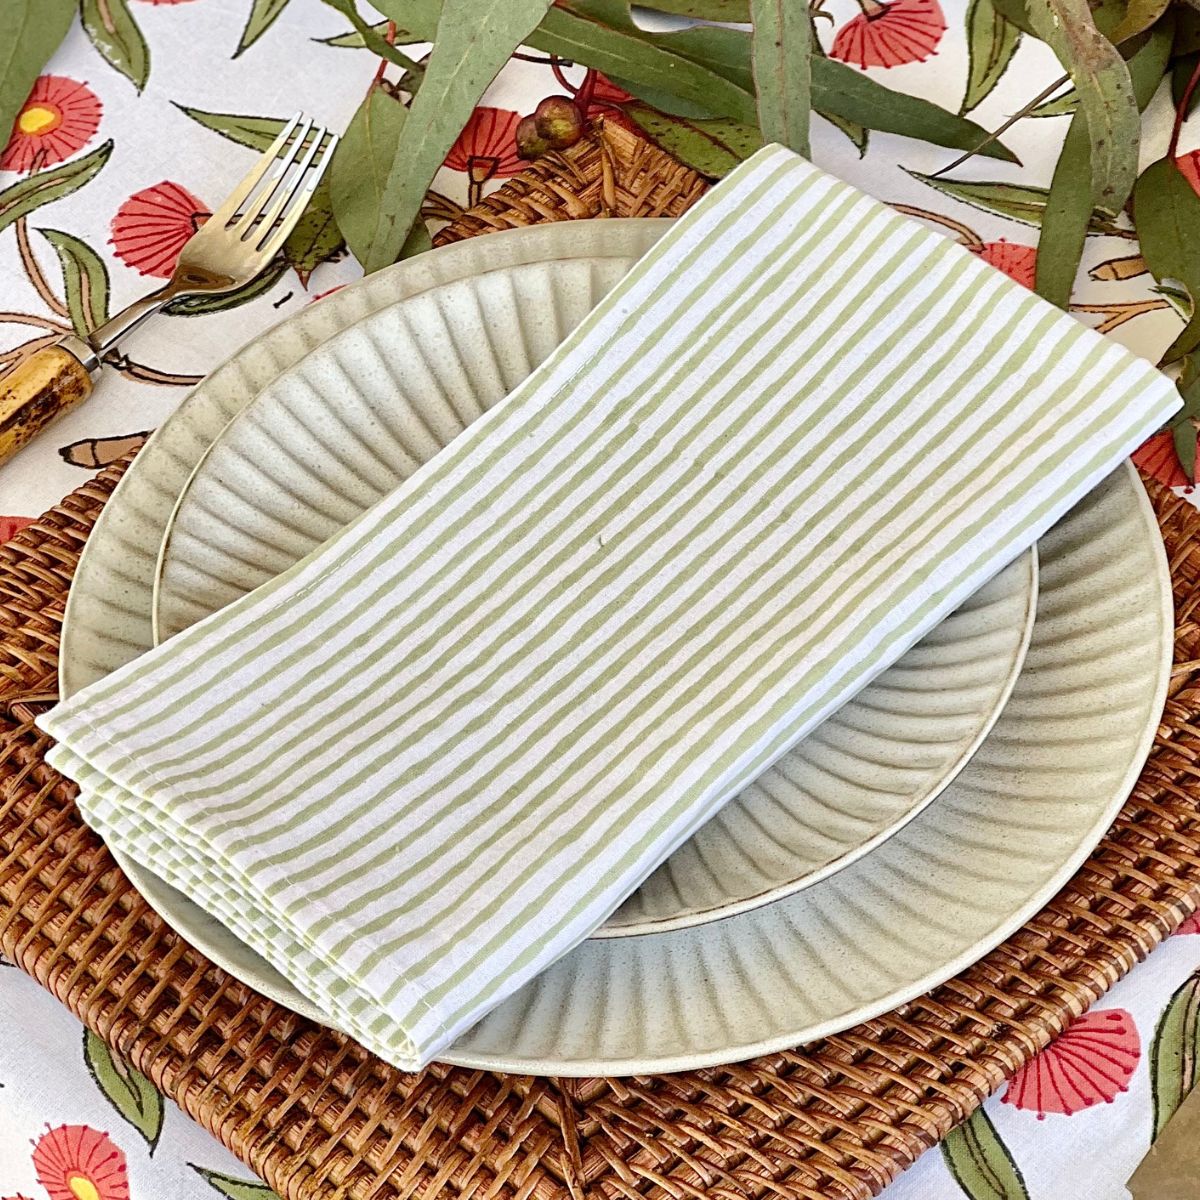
(243, 190)
(271, 185)
(296, 202)
(287, 190)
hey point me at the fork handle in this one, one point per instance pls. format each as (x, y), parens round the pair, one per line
(36, 392)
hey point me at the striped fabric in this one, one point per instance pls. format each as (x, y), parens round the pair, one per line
(427, 761)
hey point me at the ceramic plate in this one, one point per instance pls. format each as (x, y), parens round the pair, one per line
(962, 876)
(355, 417)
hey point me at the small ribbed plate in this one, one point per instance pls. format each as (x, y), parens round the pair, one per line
(354, 418)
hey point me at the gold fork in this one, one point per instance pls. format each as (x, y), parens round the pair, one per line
(233, 246)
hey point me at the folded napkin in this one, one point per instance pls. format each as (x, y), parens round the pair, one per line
(421, 765)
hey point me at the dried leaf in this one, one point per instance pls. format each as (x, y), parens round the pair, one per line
(115, 33)
(474, 40)
(1139, 16)
(361, 163)
(31, 193)
(1166, 213)
(980, 1161)
(134, 1097)
(263, 14)
(1106, 95)
(713, 147)
(30, 31)
(1069, 205)
(781, 54)
(992, 40)
(1175, 1051)
(1018, 202)
(85, 280)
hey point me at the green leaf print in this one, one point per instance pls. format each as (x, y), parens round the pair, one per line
(130, 1093)
(235, 1189)
(980, 1161)
(1174, 1065)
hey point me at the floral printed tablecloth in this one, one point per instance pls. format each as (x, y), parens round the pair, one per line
(136, 169)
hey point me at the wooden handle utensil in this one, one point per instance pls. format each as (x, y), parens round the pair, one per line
(39, 390)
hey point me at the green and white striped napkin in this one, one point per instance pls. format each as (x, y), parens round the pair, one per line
(423, 764)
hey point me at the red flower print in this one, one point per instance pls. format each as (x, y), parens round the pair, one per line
(1191, 925)
(151, 227)
(76, 1162)
(889, 33)
(11, 526)
(1157, 458)
(604, 91)
(486, 147)
(1189, 168)
(1016, 261)
(1092, 1061)
(59, 118)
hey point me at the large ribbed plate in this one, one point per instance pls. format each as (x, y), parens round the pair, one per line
(354, 418)
(962, 876)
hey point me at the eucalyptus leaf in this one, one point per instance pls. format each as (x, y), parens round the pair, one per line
(1068, 210)
(1166, 213)
(374, 41)
(1175, 1050)
(263, 14)
(200, 306)
(781, 54)
(712, 147)
(664, 101)
(30, 31)
(31, 193)
(1017, 202)
(1182, 70)
(114, 32)
(317, 238)
(1183, 435)
(1106, 95)
(981, 1163)
(1139, 15)
(848, 93)
(85, 280)
(992, 40)
(236, 1189)
(474, 40)
(631, 55)
(704, 10)
(134, 1097)
(361, 162)
(1066, 217)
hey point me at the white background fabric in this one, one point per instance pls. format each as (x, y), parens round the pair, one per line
(1085, 1156)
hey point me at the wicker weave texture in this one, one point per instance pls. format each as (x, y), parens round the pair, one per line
(318, 1117)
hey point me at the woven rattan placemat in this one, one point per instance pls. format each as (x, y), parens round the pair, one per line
(317, 1116)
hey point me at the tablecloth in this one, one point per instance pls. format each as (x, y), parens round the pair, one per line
(75, 1124)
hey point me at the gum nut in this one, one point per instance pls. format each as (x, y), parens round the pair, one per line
(559, 121)
(530, 143)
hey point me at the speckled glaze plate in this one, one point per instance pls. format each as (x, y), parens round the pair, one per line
(352, 419)
(960, 877)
